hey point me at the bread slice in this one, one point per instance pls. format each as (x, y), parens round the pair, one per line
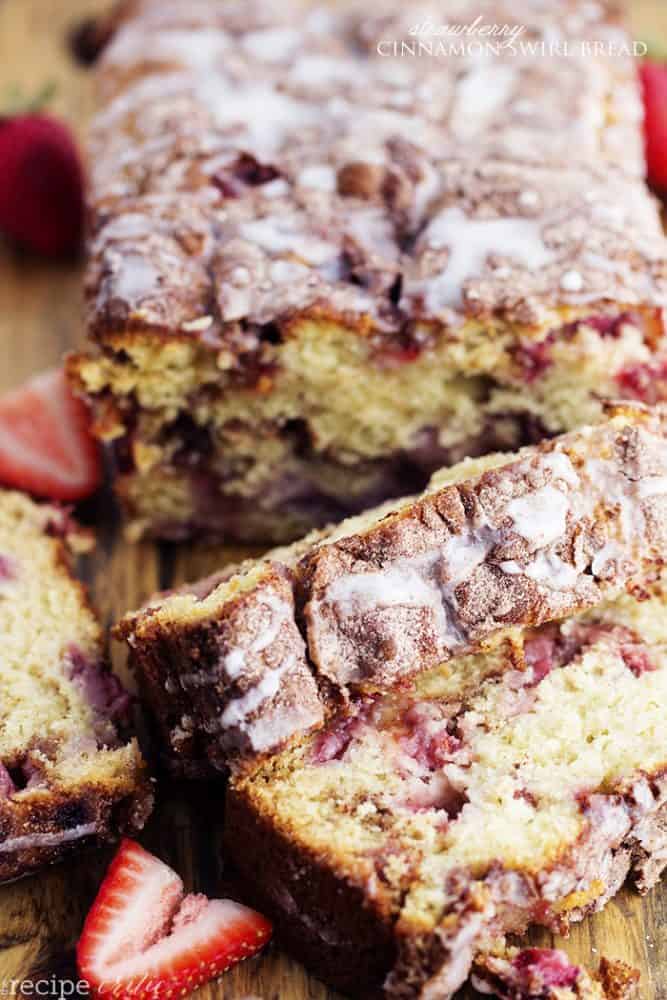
(244, 662)
(515, 786)
(68, 773)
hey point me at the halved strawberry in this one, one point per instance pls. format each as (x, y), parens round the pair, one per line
(654, 86)
(46, 447)
(145, 938)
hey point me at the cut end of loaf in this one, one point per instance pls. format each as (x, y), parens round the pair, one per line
(67, 769)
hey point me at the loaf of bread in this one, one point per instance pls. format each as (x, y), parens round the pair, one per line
(327, 258)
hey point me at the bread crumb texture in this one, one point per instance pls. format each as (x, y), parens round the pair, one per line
(58, 702)
(489, 760)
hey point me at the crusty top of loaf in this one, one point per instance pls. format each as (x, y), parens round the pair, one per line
(537, 536)
(253, 163)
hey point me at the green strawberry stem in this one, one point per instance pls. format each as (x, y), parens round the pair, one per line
(18, 103)
(656, 50)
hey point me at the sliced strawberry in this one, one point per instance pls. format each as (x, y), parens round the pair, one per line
(145, 938)
(654, 86)
(46, 447)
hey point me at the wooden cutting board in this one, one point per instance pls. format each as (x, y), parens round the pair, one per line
(40, 311)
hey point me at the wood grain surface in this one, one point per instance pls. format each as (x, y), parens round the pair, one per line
(40, 317)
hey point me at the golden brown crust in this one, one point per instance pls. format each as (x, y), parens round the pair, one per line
(323, 920)
(44, 827)
(236, 683)
(319, 206)
(328, 922)
(619, 980)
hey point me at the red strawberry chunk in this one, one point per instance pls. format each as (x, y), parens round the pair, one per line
(636, 658)
(102, 691)
(632, 650)
(646, 382)
(545, 967)
(145, 938)
(540, 652)
(534, 358)
(7, 568)
(427, 739)
(46, 446)
(332, 743)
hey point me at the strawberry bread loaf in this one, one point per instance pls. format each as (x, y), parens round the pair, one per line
(252, 658)
(327, 258)
(69, 773)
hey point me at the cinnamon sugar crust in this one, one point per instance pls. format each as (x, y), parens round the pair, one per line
(248, 168)
(513, 547)
(509, 242)
(246, 687)
(517, 242)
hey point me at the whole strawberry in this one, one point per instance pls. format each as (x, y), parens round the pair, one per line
(654, 86)
(41, 184)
